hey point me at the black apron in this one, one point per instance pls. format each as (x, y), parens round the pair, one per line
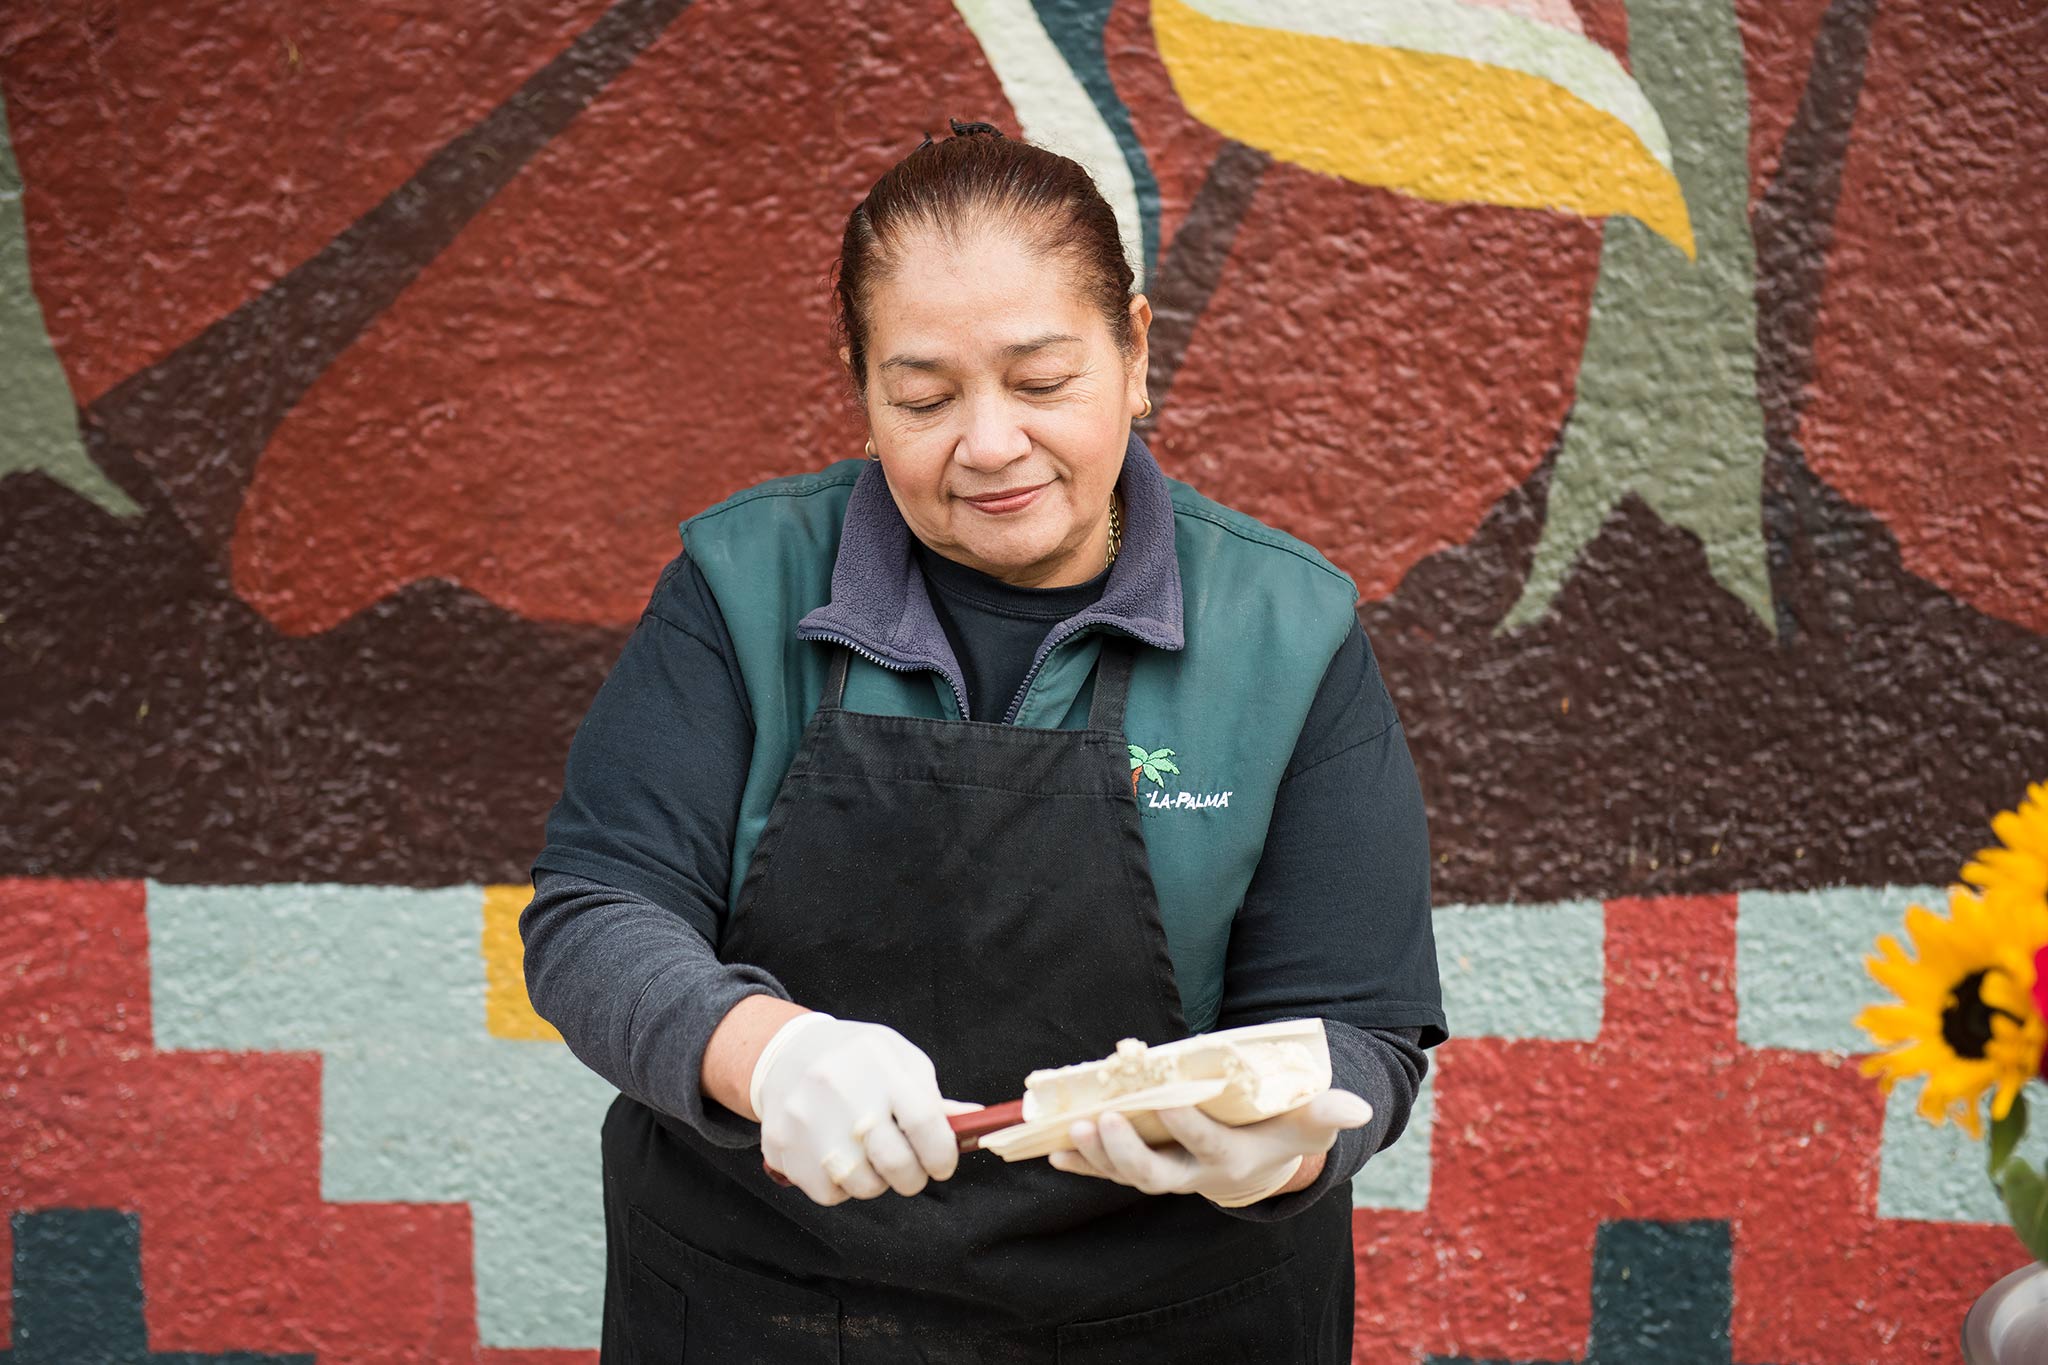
(983, 889)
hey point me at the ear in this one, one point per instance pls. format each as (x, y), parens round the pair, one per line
(846, 357)
(1141, 354)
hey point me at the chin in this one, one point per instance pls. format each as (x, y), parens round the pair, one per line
(1005, 559)
(1010, 547)
(1004, 555)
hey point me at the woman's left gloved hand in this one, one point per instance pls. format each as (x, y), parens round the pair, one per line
(1230, 1167)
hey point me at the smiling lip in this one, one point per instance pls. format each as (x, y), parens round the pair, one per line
(1009, 500)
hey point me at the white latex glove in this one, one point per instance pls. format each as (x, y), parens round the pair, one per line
(851, 1110)
(1229, 1167)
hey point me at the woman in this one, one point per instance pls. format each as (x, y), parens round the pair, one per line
(971, 758)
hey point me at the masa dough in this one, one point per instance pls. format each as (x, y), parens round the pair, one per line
(1235, 1076)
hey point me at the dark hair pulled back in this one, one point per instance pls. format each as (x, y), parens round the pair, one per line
(978, 176)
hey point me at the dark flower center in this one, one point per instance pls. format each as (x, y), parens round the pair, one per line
(1966, 1025)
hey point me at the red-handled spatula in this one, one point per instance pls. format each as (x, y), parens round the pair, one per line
(968, 1128)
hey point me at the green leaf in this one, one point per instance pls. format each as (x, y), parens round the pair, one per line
(1138, 754)
(2026, 1199)
(2005, 1136)
(1159, 754)
(1165, 765)
(1153, 773)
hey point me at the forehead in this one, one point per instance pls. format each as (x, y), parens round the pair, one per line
(981, 296)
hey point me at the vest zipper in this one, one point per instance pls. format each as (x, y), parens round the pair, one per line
(893, 665)
(1051, 643)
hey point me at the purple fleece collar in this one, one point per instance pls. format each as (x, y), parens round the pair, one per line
(879, 604)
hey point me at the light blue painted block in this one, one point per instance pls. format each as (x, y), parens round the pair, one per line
(314, 965)
(1508, 971)
(420, 1103)
(1938, 1173)
(1523, 971)
(1800, 982)
(1799, 975)
(1398, 1178)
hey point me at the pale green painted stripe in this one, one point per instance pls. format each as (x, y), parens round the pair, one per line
(1054, 110)
(1666, 406)
(38, 415)
(1523, 971)
(420, 1102)
(1446, 28)
(1799, 974)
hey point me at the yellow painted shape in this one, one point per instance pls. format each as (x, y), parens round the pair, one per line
(1441, 128)
(507, 1011)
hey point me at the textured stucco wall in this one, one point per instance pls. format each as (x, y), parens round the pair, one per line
(1666, 372)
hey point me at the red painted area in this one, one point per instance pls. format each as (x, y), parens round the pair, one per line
(1932, 353)
(1178, 146)
(1664, 1116)
(181, 158)
(635, 328)
(218, 1153)
(1777, 55)
(1374, 372)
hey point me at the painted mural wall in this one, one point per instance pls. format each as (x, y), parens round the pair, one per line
(1668, 374)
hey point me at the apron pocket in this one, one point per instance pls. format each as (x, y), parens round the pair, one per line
(655, 1312)
(1255, 1320)
(702, 1309)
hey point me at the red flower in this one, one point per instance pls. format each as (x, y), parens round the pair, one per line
(2041, 995)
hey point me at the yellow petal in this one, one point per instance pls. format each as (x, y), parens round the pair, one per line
(1895, 1023)
(2024, 831)
(1546, 120)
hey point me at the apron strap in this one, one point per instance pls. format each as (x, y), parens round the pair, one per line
(835, 679)
(1112, 684)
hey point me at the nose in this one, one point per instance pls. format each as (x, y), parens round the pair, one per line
(994, 437)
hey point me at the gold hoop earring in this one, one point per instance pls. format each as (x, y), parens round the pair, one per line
(1148, 408)
(871, 449)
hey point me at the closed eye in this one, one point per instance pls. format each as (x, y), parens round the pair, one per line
(1041, 390)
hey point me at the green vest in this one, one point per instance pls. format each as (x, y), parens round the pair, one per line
(1263, 616)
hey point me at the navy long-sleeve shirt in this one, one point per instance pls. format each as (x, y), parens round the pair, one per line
(630, 891)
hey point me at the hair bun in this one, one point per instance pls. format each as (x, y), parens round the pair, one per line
(967, 129)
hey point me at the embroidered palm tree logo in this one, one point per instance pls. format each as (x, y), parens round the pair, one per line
(1150, 765)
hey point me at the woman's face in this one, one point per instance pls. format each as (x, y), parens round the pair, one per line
(1000, 406)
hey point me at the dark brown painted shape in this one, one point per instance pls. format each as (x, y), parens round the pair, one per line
(1188, 276)
(190, 429)
(154, 725)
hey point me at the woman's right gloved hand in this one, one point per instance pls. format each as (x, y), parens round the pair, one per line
(851, 1110)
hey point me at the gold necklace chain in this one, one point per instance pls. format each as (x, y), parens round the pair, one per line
(1116, 532)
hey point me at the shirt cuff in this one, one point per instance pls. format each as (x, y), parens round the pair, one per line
(1372, 1067)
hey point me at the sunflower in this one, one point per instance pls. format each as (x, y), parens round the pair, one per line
(2016, 875)
(1965, 1016)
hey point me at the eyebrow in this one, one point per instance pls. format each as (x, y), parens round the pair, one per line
(912, 362)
